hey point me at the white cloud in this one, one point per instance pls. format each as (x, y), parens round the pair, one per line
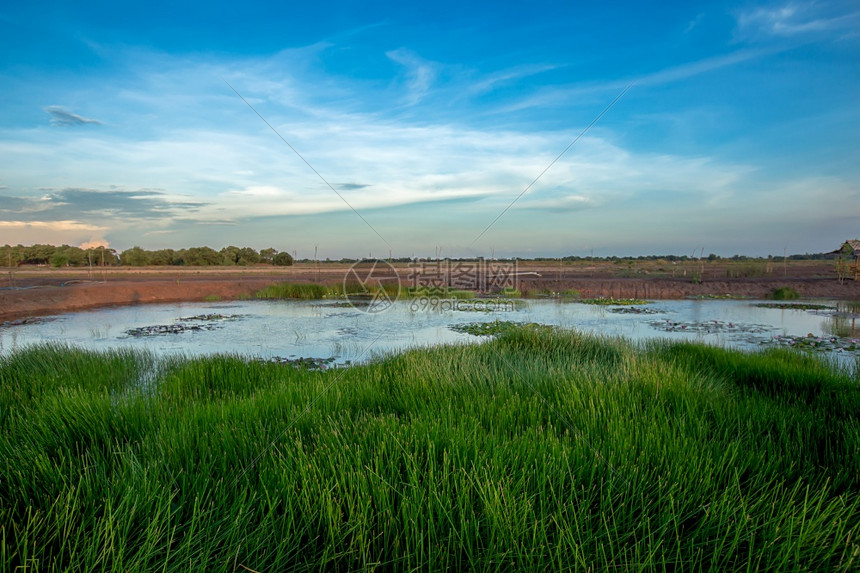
(53, 232)
(796, 18)
(94, 244)
(51, 225)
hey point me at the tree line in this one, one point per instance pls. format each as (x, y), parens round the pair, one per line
(69, 256)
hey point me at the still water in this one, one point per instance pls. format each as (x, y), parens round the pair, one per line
(325, 329)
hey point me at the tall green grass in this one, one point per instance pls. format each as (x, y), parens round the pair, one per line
(301, 291)
(538, 450)
(313, 291)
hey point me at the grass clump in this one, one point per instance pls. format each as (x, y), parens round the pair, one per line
(510, 292)
(542, 449)
(300, 291)
(784, 293)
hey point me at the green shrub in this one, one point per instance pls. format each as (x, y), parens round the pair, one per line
(784, 293)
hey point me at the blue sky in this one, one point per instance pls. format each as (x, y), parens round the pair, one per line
(739, 132)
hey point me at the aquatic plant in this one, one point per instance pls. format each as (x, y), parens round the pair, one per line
(818, 343)
(614, 301)
(725, 296)
(709, 326)
(492, 328)
(633, 310)
(794, 306)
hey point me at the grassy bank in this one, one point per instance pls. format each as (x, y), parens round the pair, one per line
(538, 450)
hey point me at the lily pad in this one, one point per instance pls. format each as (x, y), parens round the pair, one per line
(817, 343)
(710, 327)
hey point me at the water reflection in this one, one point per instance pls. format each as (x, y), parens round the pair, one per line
(844, 322)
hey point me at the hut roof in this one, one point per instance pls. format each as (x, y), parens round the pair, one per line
(852, 244)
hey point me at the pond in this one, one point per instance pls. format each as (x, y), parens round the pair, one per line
(289, 330)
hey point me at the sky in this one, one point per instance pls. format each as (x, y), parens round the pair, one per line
(363, 129)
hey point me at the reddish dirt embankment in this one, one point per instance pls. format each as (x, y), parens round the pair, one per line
(53, 291)
(41, 300)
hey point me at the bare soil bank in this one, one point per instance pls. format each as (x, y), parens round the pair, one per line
(51, 291)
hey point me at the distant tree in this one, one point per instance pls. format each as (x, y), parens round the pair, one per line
(164, 257)
(38, 254)
(134, 257)
(267, 255)
(283, 259)
(202, 256)
(247, 256)
(10, 256)
(230, 255)
(59, 259)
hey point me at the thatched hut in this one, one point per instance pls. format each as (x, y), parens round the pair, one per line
(848, 262)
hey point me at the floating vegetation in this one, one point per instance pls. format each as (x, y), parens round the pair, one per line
(197, 323)
(633, 310)
(817, 343)
(615, 301)
(725, 296)
(28, 320)
(710, 327)
(794, 306)
(494, 328)
(340, 304)
(162, 329)
(209, 317)
(303, 362)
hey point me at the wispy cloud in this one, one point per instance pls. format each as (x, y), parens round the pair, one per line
(552, 96)
(495, 80)
(795, 19)
(694, 23)
(420, 73)
(62, 117)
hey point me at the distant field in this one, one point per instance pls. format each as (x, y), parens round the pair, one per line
(328, 270)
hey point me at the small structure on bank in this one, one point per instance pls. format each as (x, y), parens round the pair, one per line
(848, 260)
